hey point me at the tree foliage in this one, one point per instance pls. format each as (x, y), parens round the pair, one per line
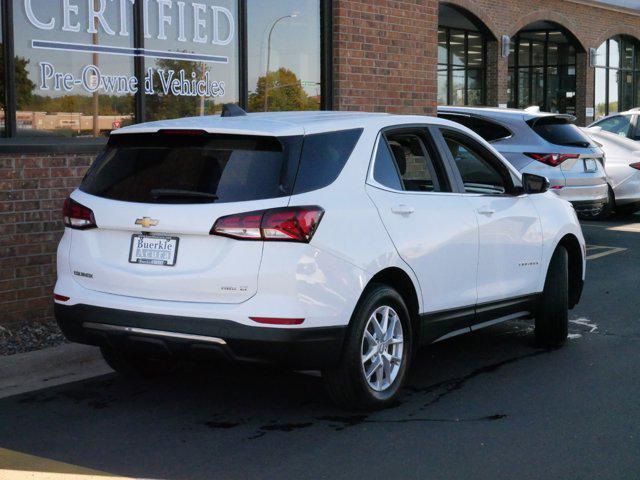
(284, 92)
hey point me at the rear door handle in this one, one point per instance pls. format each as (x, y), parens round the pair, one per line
(486, 211)
(403, 209)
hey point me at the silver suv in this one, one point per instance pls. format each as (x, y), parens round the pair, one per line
(624, 124)
(544, 144)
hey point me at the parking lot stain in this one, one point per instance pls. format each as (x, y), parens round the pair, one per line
(342, 422)
(223, 425)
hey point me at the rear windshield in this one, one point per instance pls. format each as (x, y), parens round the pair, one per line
(559, 131)
(179, 168)
(490, 131)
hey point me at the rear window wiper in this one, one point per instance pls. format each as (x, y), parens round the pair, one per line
(576, 144)
(159, 193)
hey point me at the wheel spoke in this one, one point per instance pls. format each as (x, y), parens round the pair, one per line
(380, 373)
(375, 365)
(386, 367)
(392, 327)
(369, 338)
(385, 321)
(376, 326)
(369, 355)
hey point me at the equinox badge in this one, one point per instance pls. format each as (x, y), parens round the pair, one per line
(147, 222)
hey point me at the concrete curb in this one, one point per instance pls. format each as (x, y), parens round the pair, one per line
(27, 372)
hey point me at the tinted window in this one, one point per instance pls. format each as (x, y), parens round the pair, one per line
(323, 157)
(619, 125)
(385, 171)
(159, 168)
(559, 131)
(415, 164)
(478, 174)
(490, 131)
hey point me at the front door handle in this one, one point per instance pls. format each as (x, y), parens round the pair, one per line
(488, 211)
(403, 209)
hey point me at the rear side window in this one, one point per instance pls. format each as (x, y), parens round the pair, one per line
(385, 170)
(323, 157)
(489, 131)
(559, 131)
(179, 168)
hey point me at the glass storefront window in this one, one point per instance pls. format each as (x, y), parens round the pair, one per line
(461, 73)
(74, 70)
(617, 79)
(284, 55)
(2, 115)
(83, 67)
(543, 71)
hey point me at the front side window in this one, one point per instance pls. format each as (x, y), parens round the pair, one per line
(478, 174)
(620, 125)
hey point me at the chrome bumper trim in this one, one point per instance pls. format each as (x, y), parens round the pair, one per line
(153, 333)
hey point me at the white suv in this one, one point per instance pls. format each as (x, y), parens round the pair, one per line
(327, 240)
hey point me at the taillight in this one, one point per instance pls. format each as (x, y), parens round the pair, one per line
(552, 159)
(77, 216)
(288, 224)
(635, 165)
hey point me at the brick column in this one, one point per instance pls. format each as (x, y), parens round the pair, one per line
(385, 55)
(585, 79)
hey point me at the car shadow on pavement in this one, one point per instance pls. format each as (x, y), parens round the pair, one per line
(106, 422)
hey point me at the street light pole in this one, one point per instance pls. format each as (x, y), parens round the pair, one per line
(266, 78)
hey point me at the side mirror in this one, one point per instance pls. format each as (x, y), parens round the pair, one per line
(534, 183)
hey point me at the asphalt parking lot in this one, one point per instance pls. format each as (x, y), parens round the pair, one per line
(489, 405)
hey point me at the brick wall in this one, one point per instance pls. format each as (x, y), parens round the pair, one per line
(32, 190)
(385, 55)
(591, 26)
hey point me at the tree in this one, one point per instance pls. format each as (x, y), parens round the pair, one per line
(284, 92)
(24, 85)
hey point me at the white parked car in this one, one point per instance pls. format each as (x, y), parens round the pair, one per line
(623, 169)
(320, 240)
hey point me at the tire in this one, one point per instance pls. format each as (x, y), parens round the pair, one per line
(607, 210)
(552, 317)
(347, 384)
(131, 365)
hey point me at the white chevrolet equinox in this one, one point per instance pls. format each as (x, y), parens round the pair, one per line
(326, 240)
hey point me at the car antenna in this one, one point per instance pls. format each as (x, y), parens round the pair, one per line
(232, 110)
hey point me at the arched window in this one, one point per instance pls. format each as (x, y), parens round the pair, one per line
(542, 69)
(617, 86)
(461, 59)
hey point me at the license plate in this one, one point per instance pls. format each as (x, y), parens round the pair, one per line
(154, 250)
(590, 165)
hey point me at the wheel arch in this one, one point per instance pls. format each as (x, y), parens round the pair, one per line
(398, 279)
(576, 265)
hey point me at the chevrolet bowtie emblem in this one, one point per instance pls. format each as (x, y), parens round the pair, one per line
(147, 222)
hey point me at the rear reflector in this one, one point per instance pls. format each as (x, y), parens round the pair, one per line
(552, 159)
(61, 298)
(635, 165)
(288, 224)
(77, 216)
(278, 321)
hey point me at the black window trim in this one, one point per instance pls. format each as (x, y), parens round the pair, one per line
(513, 190)
(430, 132)
(11, 143)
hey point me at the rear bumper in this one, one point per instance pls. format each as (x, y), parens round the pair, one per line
(192, 338)
(584, 195)
(589, 206)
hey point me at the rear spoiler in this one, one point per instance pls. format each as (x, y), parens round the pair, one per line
(559, 118)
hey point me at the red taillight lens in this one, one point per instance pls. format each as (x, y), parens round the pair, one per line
(289, 224)
(77, 216)
(552, 159)
(635, 165)
(61, 298)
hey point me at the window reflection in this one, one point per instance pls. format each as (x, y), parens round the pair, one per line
(617, 79)
(61, 90)
(283, 55)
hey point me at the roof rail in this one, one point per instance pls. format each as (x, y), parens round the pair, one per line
(232, 110)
